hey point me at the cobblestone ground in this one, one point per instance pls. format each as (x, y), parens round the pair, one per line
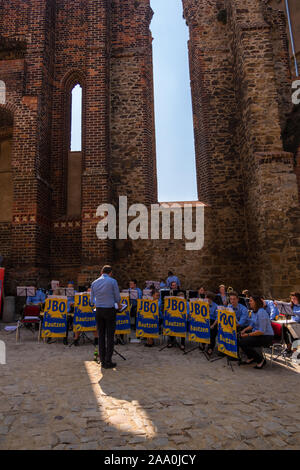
(56, 397)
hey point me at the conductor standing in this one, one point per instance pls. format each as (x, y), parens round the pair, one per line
(105, 294)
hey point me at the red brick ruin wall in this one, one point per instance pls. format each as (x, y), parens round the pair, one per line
(241, 94)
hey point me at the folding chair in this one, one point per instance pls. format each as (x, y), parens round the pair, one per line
(30, 318)
(278, 345)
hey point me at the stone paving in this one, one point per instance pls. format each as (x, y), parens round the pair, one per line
(56, 397)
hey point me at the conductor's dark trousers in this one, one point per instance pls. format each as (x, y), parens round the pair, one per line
(106, 325)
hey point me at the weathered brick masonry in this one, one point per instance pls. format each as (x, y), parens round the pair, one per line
(241, 93)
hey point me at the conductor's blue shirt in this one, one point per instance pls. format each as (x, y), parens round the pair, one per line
(105, 292)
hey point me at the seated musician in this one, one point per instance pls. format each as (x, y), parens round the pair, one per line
(258, 333)
(172, 278)
(295, 306)
(221, 297)
(241, 312)
(155, 296)
(37, 299)
(70, 310)
(245, 296)
(71, 299)
(201, 292)
(174, 286)
(77, 333)
(172, 339)
(213, 319)
(133, 302)
(270, 308)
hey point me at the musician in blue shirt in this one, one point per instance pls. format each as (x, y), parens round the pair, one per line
(295, 306)
(270, 308)
(155, 296)
(172, 339)
(221, 297)
(71, 298)
(172, 278)
(37, 299)
(133, 302)
(213, 319)
(258, 333)
(241, 312)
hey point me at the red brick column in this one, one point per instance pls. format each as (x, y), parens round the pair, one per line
(95, 179)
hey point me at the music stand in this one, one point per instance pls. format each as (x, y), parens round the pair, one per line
(82, 336)
(229, 362)
(201, 350)
(116, 352)
(175, 344)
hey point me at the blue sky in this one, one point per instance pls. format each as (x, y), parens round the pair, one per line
(173, 108)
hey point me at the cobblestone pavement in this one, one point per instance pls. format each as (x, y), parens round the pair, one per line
(56, 397)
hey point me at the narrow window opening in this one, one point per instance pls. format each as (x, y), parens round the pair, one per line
(75, 154)
(76, 119)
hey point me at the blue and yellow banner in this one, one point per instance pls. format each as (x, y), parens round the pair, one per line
(123, 326)
(55, 318)
(84, 313)
(227, 335)
(147, 319)
(199, 330)
(175, 317)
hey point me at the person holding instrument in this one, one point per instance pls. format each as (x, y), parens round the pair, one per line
(105, 293)
(258, 333)
(213, 320)
(221, 297)
(295, 316)
(172, 339)
(241, 312)
(77, 333)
